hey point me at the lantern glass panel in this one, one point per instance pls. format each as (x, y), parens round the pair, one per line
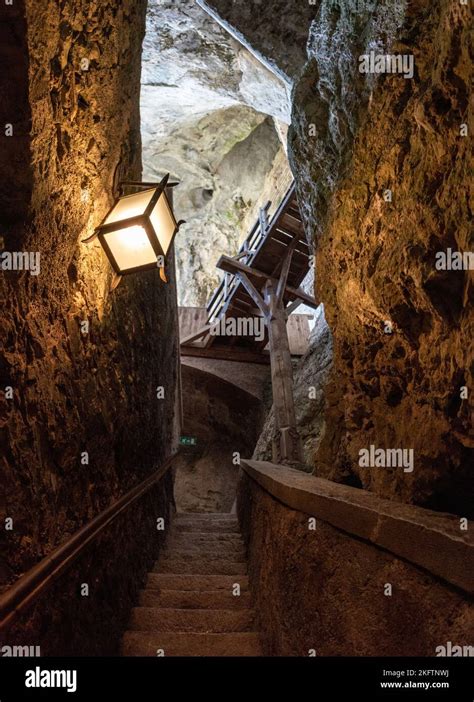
(130, 206)
(131, 248)
(163, 222)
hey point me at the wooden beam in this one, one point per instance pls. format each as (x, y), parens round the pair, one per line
(223, 353)
(253, 292)
(226, 263)
(280, 290)
(197, 335)
(292, 307)
(263, 220)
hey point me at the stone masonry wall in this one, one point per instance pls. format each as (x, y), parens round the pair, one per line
(322, 590)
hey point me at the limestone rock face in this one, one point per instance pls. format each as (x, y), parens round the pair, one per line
(402, 329)
(83, 364)
(278, 30)
(212, 116)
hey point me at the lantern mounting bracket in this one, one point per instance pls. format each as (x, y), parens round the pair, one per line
(139, 184)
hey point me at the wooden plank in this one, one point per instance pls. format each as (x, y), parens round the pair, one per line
(280, 232)
(281, 209)
(195, 336)
(226, 354)
(280, 241)
(298, 334)
(292, 307)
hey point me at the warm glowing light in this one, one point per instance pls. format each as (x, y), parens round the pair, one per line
(138, 232)
(129, 206)
(131, 247)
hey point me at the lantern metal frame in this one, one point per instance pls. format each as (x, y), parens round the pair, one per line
(142, 220)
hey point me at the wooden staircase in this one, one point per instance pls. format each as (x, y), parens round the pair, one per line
(189, 606)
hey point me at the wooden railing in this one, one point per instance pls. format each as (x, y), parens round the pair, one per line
(228, 283)
(26, 590)
(252, 244)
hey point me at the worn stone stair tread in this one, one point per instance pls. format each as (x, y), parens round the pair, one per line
(202, 554)
(200, 550)
(216, 527)
(223, 555)
(205, 515)
(219, 566)
(205, 537)
(192, 620)
(172, 581)
(216, 523)
(139, 643)
(195, 599)
(189, 606)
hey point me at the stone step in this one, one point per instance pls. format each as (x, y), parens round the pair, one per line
(138, 643)
(194, 599)
(200, 583)
(201, 566)
(203, 553)
(201, 547)
(204, 537)
(196, 516)
(192, 620)
(225, 527)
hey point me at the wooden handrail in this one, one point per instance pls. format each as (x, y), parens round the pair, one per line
(32, 584)
(254, 236)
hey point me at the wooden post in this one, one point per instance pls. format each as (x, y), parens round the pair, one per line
(286, 443)
(286, 447)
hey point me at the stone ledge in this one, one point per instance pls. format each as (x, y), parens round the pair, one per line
(428, 539)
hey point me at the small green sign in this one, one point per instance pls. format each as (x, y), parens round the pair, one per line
(188, 440)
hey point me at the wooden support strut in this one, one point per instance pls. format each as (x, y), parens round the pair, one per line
(286, 444)
(226, 263)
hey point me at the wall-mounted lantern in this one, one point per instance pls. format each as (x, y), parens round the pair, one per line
(138, 231)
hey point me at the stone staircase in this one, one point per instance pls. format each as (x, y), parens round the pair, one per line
(188, 607)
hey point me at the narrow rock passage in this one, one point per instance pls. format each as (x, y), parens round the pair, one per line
(191, 605)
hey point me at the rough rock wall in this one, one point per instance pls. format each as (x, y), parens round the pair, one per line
(213, 116)
(402, 329)
(341, 582)
(76, 390)
(278, 30)
(224, 419)
(220, 192)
